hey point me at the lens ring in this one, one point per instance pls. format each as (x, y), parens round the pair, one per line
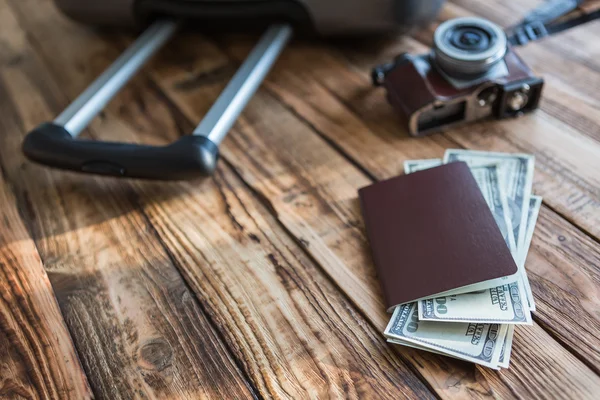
(468, 46)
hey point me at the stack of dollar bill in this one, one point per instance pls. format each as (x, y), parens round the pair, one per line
(476, 323)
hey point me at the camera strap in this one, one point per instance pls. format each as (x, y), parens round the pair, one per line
(551, 17)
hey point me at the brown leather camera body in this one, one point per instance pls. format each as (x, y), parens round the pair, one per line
(427, 100)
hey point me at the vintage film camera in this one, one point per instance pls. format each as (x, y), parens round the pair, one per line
(470, 74)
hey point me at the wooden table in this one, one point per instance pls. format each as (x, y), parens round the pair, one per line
(258, 282)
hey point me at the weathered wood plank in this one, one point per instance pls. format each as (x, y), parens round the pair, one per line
(37, 357)
(581, 208)
(381, 152)
(312, 191)
(139, 331)
(281, 316)
(472, 382)
(297, 335)
(565, 157)
(574, 44)
(565, 133)
(334, 190)
(15, 383)
(569, 60)
(564, 271)
(564, 142)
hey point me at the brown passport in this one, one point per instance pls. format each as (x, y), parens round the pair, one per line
(432, 231)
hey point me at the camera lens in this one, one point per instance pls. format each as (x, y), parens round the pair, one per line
(466, 47)
(470, 39)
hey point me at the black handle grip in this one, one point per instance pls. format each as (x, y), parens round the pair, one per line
(188, 158)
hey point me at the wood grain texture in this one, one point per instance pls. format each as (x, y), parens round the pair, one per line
(379, 152)
(312, 190)
(37, 357)
(139, 331)
(15, 381)
(564, 134)
(297, 335)
(564, 271)
(337, 190)
(280, 315)
(562, 196)
(283, 300)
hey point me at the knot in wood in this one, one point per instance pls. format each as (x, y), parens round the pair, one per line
(155, 354)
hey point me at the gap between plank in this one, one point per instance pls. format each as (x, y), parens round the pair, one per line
(372, 176)
(27, 222)
(565, 345)
(364, 170)
(22, 203)
(251, 386)
(266, 203)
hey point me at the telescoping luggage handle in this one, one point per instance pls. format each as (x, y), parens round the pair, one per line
(54, 143)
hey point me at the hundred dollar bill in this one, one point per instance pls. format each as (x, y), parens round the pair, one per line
(504, 360)
(415, 346)
(478, 343)
(489, 181)
(518, 174)
(504, 303)
(507, 303)
(535, 203)
(534, 209)
(418, 165)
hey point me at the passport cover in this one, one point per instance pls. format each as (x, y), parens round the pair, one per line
(432, 231)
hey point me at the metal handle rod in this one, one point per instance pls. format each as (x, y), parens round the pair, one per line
(224, 112)
(84, 108)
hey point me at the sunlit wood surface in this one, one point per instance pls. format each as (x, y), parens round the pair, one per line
(257, 282)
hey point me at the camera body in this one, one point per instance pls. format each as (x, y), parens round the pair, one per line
(470, 74)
